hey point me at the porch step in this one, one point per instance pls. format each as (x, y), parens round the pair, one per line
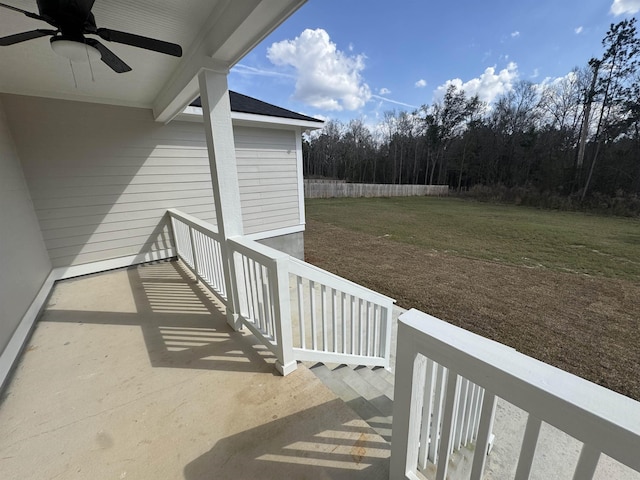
(367, 391)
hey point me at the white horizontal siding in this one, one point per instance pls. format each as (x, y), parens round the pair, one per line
(268, 176)
(102, 177)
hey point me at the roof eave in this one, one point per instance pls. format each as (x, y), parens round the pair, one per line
(194, 114)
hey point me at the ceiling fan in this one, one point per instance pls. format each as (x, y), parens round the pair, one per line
(72, 20)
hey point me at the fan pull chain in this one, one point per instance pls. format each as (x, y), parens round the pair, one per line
(74, 74)
(86, 49)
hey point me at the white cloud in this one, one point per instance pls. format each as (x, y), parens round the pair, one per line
(326, 77)
(384, 91)
(515, 34)
(421, 83)
(536, 73)
(578, 30)
(487, 86)
(619, 7)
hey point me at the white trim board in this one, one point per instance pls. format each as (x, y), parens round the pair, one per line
(275, 233)
(18, 340)
(64, 273)
(300, 167)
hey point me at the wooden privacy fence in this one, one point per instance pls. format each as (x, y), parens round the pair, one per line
(321, 189)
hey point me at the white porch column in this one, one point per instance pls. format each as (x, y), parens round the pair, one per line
(216, 112)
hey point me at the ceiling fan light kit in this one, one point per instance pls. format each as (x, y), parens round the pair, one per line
(75, 50)
(72, 20)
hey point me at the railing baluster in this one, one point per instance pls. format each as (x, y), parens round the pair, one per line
(479, 400)
(344, 322)
(312, 298)
(266, 301)
(249, 289)
(219, 263)
(194, 257)
(360, 329)
(353, 325)
(376, 331)
(334, 325)
(450, 409)
(427, 413)
(368, 328)
(484, 435)
(213, 264)
(269, 293)
(587, 463)
(468, 413)
(323, 300)
(459, 420)
(303, 339)
(204, 264)
(437, 414)
(258, 291)
(528, 449)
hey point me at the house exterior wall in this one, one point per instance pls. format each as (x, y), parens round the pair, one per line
(24, 263)
(268, 176)
(102, 177)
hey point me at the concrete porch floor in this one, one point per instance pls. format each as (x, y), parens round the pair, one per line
(134, 373)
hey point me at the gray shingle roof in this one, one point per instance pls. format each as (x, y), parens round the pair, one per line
(244, 104)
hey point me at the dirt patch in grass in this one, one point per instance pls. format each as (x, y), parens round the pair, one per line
(589, 326)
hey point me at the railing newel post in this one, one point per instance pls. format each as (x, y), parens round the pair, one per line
(286, 362)
(407, 406)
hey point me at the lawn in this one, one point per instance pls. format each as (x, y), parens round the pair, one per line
(564, 241)
(561, 287)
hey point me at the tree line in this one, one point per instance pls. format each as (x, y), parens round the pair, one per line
(576, 136)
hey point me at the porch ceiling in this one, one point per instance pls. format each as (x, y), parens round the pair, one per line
(211, 32)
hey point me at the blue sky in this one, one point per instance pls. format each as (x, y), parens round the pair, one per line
(347, 59)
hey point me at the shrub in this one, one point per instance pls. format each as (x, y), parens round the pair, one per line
(622, 204)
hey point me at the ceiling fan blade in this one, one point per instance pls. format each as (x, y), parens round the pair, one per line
(28, 14)
(24, 36)
(111, 59)
(140, 41)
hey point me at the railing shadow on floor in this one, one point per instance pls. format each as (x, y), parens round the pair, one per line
(183, 325)
(325, 441)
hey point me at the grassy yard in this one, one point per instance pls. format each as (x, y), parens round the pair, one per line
(561, 287)
(564, 241)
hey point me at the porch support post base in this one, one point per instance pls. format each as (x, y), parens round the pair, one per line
(285, 370)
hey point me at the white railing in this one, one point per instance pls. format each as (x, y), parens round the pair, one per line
(263, 297)
(338, 321)
(466, 414)
(604, 421)
(198, 245)
(280, 298)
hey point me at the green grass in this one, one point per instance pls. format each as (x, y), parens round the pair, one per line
(563, 241)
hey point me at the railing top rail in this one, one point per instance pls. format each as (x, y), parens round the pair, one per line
(589, 412)
(194, 222)
(304, 269)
